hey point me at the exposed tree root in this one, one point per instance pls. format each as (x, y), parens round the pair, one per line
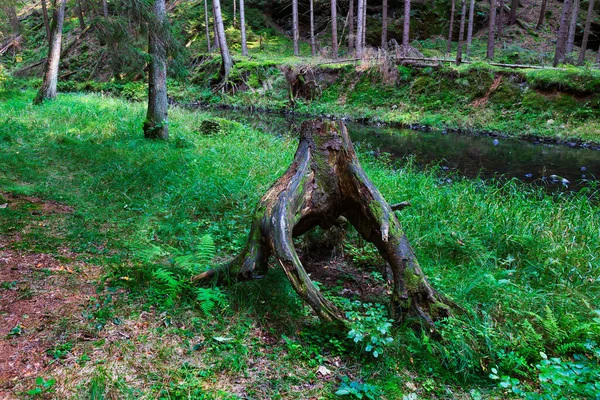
(325, 182)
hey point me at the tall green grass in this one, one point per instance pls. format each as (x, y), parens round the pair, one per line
(523, 265)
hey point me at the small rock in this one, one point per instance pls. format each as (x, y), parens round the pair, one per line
(496, 142)
(583, 169)
(323, 371)
(528, 175)
(550, 122)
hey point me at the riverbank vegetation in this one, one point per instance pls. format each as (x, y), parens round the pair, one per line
(105, 53)
(92, 211)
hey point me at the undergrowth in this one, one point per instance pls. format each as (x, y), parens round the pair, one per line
(522, 265)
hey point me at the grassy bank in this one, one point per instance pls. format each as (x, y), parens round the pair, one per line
(479, 98)
(523, 266)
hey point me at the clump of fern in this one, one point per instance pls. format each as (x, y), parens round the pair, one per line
(174, 283)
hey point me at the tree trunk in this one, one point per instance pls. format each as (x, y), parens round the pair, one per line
(542, 15)
(48, 89)
(226, 61)
(207, 25)
(563, 30)
(234, 11)
(79, 11)
(156, 126)
(513, 11)
(243, 28)
(324, 182)
(451, 28)
(295, 27)
(598, 57)
(572, 29)
(215, 30)
(15, 24)
(491, 33)
(105, 9)
(364, 30)
(470, 26)
(406, 26)
(313, 46)
(586, 33)
(359, 28)
(384, 24)
(500, 20)
(461, 32)
(46, 22)
(334, 37)
(351, 36)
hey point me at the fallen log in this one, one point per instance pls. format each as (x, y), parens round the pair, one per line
(325, 182)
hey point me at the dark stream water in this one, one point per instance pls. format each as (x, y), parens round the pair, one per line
(557, 167)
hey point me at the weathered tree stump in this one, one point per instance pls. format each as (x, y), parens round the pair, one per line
(325, 182)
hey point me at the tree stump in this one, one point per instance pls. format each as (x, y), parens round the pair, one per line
(325, 182)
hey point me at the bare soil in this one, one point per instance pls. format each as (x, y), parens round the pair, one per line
(41, 295)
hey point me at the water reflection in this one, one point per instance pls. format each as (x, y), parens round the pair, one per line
(558, 167)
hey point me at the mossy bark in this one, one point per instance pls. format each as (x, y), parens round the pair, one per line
(325, 182)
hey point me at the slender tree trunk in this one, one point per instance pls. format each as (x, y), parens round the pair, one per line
(563, 30)
(359, 28)
(500, 20)
(586, 33)
(46, 22)
(364, 30)
(295, 27)
(572, 29)
(406, 26)
(243, 28)
(14, 20)
(470, 26)
(598, 57)
(384, 24)
(334, 37)
(156, 125)
(48, 89)
(461, 32)
(351, 35)
(226, 61)
(323, 183)
(313, 48)
(79, 11)
(215, 31)
(492, 28)
(451, 28)
(105, 9)
(207, 26)
(513, 11)
(234, 11)
(542, 15)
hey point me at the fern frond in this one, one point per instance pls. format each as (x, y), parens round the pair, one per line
(210, 299)
(170, 284)
(205, 250)
(550, 325)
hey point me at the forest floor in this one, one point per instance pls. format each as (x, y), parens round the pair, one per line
(100, 231)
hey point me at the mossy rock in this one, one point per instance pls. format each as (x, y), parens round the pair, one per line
(210, 127)
(506, 95)
(421, 84)
(535, 101)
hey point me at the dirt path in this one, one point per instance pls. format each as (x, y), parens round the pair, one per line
(41, 296)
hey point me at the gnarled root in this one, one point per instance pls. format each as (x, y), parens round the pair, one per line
(325, 184)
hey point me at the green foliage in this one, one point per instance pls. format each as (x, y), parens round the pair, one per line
(370, 326)
(358, 390)
(42, 387)
(3, 76)
(135, 91)
(561, 379)
(172, 284)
